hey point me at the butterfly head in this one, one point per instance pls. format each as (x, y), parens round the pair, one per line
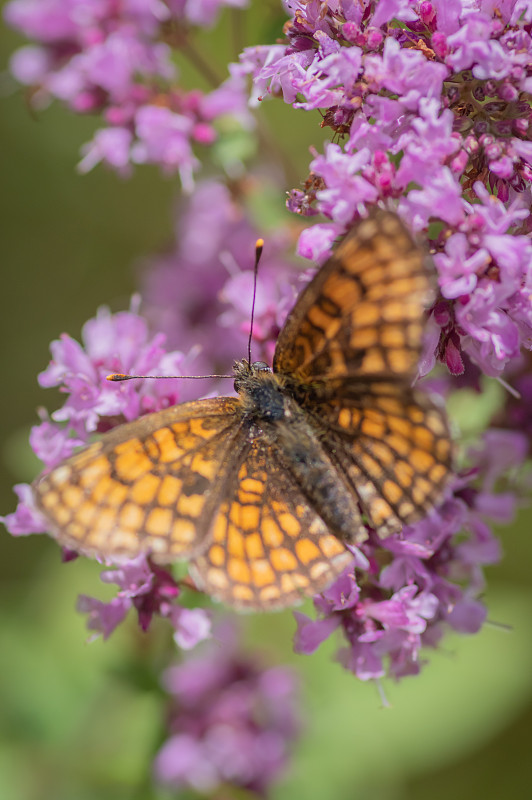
(260, 390)
(243, 371)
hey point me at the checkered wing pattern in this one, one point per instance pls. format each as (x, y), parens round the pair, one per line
(250, 489)
(269, 548)
(351, 347)
(147, 486)
(394, 447)
(362, 314)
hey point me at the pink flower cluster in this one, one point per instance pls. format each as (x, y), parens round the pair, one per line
(435, 120)
(428, 578)
(150, 590)
(114, 59)
(232, 721)
(200, 292)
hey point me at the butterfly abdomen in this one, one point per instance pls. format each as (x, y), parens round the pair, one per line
(302, 453)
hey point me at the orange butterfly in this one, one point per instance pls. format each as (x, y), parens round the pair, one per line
(262, 492)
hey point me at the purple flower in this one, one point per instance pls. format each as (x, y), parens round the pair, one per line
(52, 443)
(467, 616)
(458, 268)
(191, 626)
(28, 64)
(472, 46)
(494, 338)
(441, 192)
(204, 284)
(103, 617)
(232, 721)
(230, 98)
(163, 137)
(434, 122)
(311, 633)
(111, 343)
(151, 590)
(115, 59)
(406, 73)
(407, 589)
(315, 243)
(346, 188)
(26, 519)
(111, 146)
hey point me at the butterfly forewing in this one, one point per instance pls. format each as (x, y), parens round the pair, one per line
(269, 548)
(362, 314)
(147, 486)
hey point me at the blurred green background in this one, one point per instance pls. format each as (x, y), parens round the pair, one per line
(80, 721)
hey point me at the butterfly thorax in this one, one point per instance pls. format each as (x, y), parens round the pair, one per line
(269, 396)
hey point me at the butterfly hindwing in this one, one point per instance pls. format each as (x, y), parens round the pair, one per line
(268, 547)
(147, 486)
(394, 447)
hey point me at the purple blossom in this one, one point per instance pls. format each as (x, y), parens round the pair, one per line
(232, 721)
(458, 268)
(205, 283)
(311, 633)
(115, 59)
(230, 98)
(315, 242)
(151, 590)
(191, 626)
(111, 146)
(111, 343)
(103, 618)
(346, 190)
(409, 589)
(467, 616)
(26, 519)
(52, 443)
(434, 125)
(163, 137)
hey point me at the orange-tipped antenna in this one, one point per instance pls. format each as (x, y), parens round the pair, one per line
(259, 244)
(118, 376)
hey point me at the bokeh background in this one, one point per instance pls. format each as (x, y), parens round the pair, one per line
(81, 721)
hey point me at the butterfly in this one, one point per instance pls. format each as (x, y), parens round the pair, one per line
(263, 492)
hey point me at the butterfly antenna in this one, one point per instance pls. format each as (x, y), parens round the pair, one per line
(259, 244)
(119, 376)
